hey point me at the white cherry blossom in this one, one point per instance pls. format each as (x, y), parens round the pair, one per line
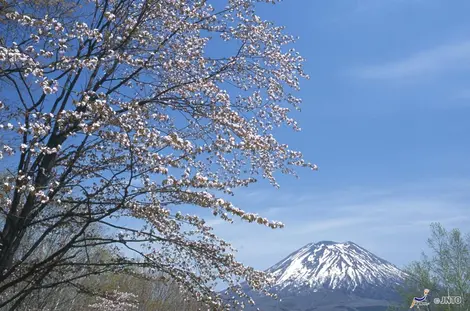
(124, 108)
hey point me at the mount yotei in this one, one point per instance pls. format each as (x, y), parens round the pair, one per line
(332, 276)
(345, 267)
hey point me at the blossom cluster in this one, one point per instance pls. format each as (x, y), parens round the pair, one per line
(122, 110)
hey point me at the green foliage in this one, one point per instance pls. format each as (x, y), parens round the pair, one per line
(444, 271)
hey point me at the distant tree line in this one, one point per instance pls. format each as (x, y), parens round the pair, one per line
(110, 290)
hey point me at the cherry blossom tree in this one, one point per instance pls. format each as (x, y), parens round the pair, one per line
(118, 301)
(134, 109)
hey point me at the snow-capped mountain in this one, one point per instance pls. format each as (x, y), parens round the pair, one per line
(332, 276)
(335, 266)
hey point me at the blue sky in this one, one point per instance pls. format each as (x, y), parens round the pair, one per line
(386, 118)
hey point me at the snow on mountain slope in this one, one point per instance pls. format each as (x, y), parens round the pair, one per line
(328, 265)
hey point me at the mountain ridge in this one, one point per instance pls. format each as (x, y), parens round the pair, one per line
(327, 275)
(334, 265)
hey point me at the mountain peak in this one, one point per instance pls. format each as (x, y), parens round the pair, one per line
(327, 242)
(329, 265)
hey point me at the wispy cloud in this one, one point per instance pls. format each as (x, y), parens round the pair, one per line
(362, 6)
(462, 95)
(434, 61)
(389, 222)
(360, 10)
